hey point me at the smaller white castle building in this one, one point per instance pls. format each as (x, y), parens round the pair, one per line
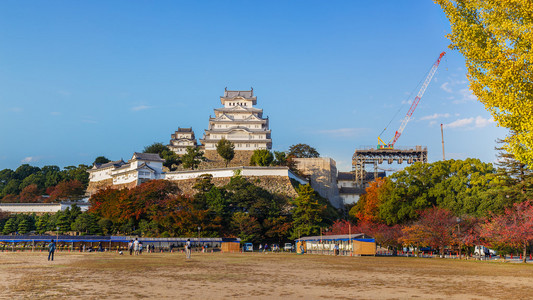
(140, 168)
(181, 140)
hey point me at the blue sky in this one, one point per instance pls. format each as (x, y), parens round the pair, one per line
(79, 79)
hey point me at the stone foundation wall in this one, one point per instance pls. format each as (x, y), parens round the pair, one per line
(242, 158)
(94, 186)
(273, 184)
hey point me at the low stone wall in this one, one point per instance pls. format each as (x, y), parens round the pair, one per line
(95, 186)
(241, 158)
(274, 184)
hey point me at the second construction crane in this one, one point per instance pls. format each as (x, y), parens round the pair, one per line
(386, 152)
(390, 145)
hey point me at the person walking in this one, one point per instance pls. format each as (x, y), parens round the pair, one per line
(188, 248)
(51, 250)
(130, 247)
(136, 246)
(140, 248)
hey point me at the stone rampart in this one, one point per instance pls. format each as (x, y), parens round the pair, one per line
(280, 185)
(241, 158)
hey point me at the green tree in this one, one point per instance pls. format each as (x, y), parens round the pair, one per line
(261, 157)
(457, 185)
(495, 39)
(302, 151)
(106, 226)
(172, 160)
(9, 226)
(78, 173)
(280, 158)
(307, 213)
(100, 160)
(25, 170)
(246, 227)
(192, 158)
(62, 222)
(86, 223)
(23, 227)
(42, 224)
(226, 150)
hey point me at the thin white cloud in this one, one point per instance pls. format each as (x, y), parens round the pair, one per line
(434, 116)
(445, 87)
(140, 107)
(344, 132)
(481, 122)
(465, 96)
(64, 93)
(469, 123)
(460, 123)
(29, 159)
(88, 120)
(407, 101)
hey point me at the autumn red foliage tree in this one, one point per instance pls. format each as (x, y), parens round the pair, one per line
(67, 190)
(341, 227)
(367, 208)
(512, 228)
(439, 223)
(155, 200)
(30, 194)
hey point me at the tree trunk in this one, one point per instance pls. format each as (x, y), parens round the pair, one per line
(525, 251)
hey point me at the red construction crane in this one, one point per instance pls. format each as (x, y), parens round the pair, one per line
(390, 145)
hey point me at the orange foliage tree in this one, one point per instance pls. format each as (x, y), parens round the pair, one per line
(367, 208)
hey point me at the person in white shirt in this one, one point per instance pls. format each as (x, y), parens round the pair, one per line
(136, 246)
(188, 248)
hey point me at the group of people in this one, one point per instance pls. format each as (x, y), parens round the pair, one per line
(136, 246)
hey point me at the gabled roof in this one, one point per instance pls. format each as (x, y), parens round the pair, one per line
(238, 109)
(145, 166)
(237, 128)
(115, 164)
(184, 129)
(147, 156)
(231, 95)
(244, 94)
(222, 117)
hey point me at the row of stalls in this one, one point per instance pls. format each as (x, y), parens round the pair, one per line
(113, 243)
(347, 244)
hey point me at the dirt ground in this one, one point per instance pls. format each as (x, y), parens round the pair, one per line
(257, 276)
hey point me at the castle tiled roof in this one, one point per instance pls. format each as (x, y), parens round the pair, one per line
(184, 129)
(147, 156)
(244, 94)
(115, 164)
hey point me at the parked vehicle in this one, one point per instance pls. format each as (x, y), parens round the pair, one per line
(482, 250)
(287, 247)
(248, 247)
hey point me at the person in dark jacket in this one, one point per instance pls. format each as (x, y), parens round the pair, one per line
(51, 249)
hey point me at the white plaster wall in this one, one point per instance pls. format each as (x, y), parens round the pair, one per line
(349, 199)
(33, 208)
(125, 178)
(157, 166)
(101, 174)
(247, 171)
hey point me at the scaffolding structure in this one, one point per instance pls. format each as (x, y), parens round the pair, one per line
(375, 157)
